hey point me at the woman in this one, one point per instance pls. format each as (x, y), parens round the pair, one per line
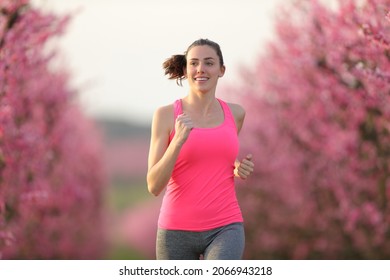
(193, 150)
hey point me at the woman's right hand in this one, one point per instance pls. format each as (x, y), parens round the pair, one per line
(183, 127)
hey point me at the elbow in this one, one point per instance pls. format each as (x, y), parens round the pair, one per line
(153, 188)
(156, 184)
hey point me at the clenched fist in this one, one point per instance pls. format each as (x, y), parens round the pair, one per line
(183, 127)
(244, 168)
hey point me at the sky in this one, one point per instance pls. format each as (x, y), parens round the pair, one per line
(115, 48)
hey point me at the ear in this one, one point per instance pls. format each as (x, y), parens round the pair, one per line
(222, 71)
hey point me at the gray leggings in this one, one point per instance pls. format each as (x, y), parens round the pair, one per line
(223, 243)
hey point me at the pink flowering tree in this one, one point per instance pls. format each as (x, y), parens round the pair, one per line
(318, 112)
(51, 179)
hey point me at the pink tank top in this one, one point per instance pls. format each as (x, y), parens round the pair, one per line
(200, 194)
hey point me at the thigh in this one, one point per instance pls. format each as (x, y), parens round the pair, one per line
(227, 243)
(176, 245)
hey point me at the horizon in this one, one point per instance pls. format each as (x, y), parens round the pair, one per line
(114, 49)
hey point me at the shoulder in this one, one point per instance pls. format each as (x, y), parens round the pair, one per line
(237, 110)
(238, 113)
(164, 111)
(163, 117)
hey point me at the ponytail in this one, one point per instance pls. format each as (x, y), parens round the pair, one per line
(174, 68)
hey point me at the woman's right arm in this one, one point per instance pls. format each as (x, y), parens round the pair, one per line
(162, 154)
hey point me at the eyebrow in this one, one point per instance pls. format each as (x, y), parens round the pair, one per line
(207, 58)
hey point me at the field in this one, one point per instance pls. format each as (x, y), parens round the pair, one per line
(121, 198)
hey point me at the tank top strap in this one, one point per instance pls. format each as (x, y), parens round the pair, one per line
(178, 108)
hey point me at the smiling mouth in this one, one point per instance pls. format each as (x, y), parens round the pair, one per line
(202, 79)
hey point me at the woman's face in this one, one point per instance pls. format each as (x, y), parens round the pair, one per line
(203, 68)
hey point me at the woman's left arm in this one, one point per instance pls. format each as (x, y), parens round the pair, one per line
(243, 168)
(238, 114)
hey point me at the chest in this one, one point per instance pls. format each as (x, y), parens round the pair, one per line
(210, 120)
(218, 144)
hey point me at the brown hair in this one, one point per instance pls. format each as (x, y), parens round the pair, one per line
(174, 66)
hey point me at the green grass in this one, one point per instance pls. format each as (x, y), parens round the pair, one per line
(121, 196)
(124, 252)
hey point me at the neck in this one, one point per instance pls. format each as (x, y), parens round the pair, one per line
(202, 103)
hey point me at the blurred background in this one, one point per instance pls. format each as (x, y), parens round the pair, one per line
(116, 48)
(312, 75)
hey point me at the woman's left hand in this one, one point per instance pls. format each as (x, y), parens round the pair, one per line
(244, 168)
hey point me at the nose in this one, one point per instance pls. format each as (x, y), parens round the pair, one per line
(200, 68)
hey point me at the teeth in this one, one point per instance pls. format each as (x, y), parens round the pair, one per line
(201, 79)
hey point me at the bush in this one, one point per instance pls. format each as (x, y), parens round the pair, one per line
(318, 108)
(51, 176)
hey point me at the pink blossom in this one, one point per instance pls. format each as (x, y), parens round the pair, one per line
(51, 175)
(138, 227)
(317, 124)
